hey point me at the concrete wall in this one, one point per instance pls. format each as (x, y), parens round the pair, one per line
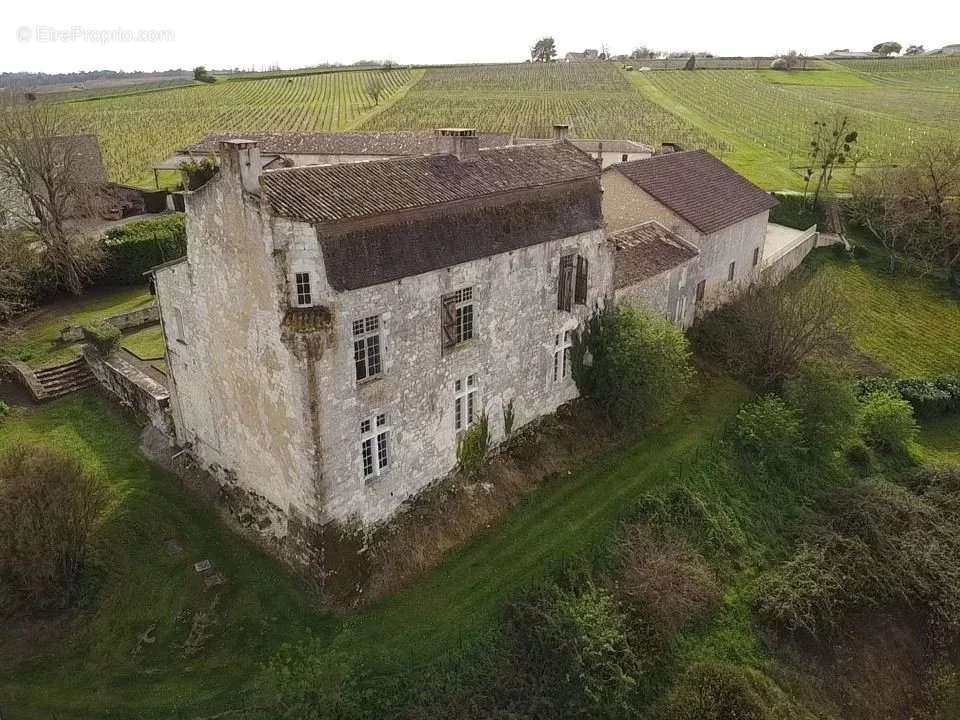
(517, 322)
(790, 258)
(144, 396)
(123, 321)
(625, 205)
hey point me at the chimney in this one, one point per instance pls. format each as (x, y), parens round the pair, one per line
(669, 147)
(462, 142)
(560, 132)
(240, 159)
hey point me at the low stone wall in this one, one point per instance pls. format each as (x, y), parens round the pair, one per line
(134, 388)
(123, 321)
(790, 257)
(24, 375)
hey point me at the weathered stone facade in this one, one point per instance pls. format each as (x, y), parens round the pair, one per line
(264, 387)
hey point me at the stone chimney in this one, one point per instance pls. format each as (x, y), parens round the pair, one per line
(464, 143)
(240, 159)
(560, 132)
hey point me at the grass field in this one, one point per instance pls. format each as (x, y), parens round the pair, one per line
(910, 325)
(35, 339)
(146, 343)
(139, 128)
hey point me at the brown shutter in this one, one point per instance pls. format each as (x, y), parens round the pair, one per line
(448, 320)
(565, 283)
(581, 291)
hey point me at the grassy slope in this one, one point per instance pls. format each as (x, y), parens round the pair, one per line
(260, 607)
(147, 343)
(37, 342)
(908, 324)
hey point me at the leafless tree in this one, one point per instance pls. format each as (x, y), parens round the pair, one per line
(833, 143)
(43, 170)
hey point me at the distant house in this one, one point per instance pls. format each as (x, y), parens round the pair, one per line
(588, 55)
(608, 152)
(852, 54)
(698, 203)
(945, 50)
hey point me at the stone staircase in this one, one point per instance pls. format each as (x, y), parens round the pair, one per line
(64, 379)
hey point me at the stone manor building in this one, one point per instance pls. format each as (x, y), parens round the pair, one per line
(333, 329)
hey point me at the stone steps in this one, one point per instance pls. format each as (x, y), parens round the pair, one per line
(64, 379)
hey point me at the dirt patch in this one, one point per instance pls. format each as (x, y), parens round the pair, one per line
(15, 394)
(447, 514)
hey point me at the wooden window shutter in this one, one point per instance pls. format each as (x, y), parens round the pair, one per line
(581, 291)
(448, 320)
(565, 289)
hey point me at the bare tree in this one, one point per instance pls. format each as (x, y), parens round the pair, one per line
(833, 143)
(375, 88)
(43, 163)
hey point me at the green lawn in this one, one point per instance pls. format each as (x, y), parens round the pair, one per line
(36, 340)
(910, 324)
(146, 343)
(88, 667)
(940, 441)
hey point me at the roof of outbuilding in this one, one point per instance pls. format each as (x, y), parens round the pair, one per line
(698, 187)
(646, 250)
(332, 193)
(617, 146)
(399, 143)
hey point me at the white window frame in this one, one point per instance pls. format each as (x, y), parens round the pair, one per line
(680, 311)
(562, 355)
(366, 333)
(683, 277)
(302, 288)
(463, 300)
(375, 453)
(466, 402)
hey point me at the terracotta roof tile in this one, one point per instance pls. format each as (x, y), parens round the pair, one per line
(698, 187)
(646, 250)
(331, 193)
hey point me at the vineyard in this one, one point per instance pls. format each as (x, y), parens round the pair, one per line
(137, 129)
(595, 99)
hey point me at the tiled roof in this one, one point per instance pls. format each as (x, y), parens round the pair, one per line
(617, 146)
(698, 187)
(399, 143)
(331, 193)
(646, 250)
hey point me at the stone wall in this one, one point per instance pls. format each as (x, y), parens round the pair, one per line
(123, 321)
(136, 390)
(789, 260)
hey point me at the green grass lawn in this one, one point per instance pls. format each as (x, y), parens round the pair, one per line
(146, 343)
(940, 441)
(909, 324)
(36, 340)
(88, 668)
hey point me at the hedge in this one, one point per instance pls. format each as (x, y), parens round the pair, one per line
(792, 212)
(928, 396)
(133, 249)
(104, 335)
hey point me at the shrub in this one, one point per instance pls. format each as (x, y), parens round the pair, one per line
(715, 692)
(640, 365)
(712, 529)
(577, 642)
(133, 249)
(669, 580)
(794, 211)
(49, 507)
(929, 397)
(887, 423)
(823, 394)
(768, 431)
(779, 64)
(473, 444)
(197, 173)
(4, 409)
(771, 330)
(104, 336)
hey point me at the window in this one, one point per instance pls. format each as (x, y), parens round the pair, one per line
(701, 290)
(572, 284)
(733, 269)
(681, 310)
(457, 317)
(466, 398)
(178, 319)
(623, 158)
(302, 280)
(683, 278)
(374, 446)
(561, 355)
(756, 256)
(366, 347)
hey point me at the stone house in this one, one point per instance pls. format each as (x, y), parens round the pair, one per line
(703, 204)
(333, 329)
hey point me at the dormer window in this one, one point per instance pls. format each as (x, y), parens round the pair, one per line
(302, 280)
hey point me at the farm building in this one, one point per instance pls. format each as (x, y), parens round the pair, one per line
(588, 55)
(608, 152)
(703, 204)
(390, 305)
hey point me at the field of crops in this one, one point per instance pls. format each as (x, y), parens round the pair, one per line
(138, 129)
(595, 99)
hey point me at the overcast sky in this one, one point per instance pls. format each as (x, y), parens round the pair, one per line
(61, 36)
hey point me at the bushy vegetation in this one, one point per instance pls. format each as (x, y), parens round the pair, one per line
(794, 211)
(133, 249)
(887, 424)
(638, 366)
(104, 335)
(49, 508)
(768, 431)
(473, 444)
(929, 397)
(823, 394)
(716, 692)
